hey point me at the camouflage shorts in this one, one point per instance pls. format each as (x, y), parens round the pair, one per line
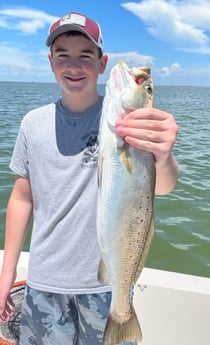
(56, 319)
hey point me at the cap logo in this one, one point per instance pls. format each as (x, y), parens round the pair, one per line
(73, 18)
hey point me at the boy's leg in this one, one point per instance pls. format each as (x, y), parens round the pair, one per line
(47, 319)
(93, 311)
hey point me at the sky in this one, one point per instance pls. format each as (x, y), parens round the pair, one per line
(170, 36)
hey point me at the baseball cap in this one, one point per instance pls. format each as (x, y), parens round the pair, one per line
(75, 21)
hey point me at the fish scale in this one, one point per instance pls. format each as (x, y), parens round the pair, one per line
(125, 212)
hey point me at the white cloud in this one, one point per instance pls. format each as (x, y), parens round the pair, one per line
(18, 60)
(19, 65)
(133, 59)
(184, 24)
(196, 12)
(166, 71)
(3, 23)
(26, 21)
(11, 56)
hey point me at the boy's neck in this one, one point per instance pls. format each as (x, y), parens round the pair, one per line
(76, 104)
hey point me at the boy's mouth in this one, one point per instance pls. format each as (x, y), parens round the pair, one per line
(74, 79)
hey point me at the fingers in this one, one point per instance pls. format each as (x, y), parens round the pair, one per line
(150, 119)
(6, 315)
(140, 134)
(148, 113)
(149, 129)
(7, 311)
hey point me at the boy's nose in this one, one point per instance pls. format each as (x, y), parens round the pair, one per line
(74, 63)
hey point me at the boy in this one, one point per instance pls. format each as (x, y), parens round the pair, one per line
(55, 160)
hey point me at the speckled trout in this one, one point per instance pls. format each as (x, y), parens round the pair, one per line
(125, 217)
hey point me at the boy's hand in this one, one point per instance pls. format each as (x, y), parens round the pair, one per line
(149, 129)
(153, 130)
(6, 301)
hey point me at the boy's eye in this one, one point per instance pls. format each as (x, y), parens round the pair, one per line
(62, 55)
(85, 56)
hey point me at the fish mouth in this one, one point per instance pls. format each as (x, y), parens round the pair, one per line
(138, 74)
(139, 79)
(141, 74)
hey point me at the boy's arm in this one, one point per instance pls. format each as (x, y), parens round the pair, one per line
(19, 213)
(167, 174)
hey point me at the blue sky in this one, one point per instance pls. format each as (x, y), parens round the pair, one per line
(170, 36)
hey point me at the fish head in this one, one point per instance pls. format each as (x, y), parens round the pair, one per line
(127, 89)
(132, 89)
(139, 92)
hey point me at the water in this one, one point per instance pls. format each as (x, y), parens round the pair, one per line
(182, 239)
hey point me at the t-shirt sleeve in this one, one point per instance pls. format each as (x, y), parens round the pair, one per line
(19, 163)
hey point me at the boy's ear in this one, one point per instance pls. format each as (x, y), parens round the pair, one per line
(50, 59)
(104, 60)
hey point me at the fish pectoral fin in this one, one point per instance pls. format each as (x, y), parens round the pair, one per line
(125, 157)
(103, 276)
(120, 332)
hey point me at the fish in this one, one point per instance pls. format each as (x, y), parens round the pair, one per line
(125, 205)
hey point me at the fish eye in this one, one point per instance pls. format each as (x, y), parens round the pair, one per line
(148, 87)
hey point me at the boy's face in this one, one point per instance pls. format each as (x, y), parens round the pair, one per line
(76, 64)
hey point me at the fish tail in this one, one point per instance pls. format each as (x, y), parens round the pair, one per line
(116, 332)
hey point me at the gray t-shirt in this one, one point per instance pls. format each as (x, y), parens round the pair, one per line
(58, 151)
